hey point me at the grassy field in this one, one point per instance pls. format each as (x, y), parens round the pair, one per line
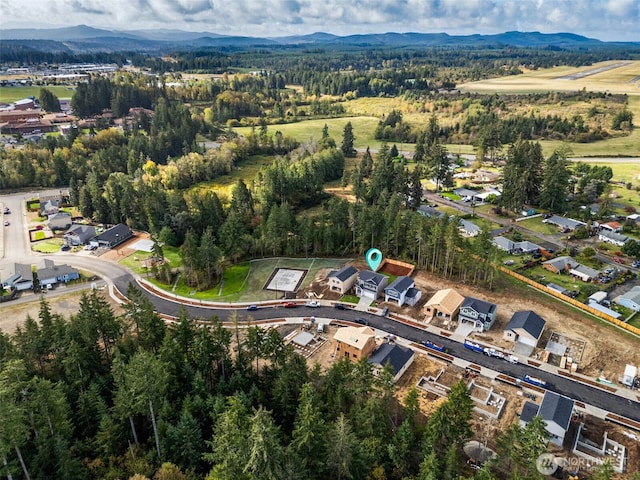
(536, 225)
(244, 282)
(307, 130)
(48, 246)
(11, 94)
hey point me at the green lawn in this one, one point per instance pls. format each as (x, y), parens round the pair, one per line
(48, 246)
(39, 235)
(350, 299)
(536, 225)
(451, 196)
(234, 278)
(635, 321)
(11, 94)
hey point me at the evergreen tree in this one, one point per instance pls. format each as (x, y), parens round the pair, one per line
(347, 141)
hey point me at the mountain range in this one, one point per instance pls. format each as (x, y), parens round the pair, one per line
(83, 38)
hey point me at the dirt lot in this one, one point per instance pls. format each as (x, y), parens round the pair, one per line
(66, 304)
(606, 351)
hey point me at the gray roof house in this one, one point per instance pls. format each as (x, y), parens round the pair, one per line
(584, 273)
(631, 299)
(563, 222)
(612, 237)
(397, 357)
(80, 234)
(555, 410)
(509, 246)
(59, 221)
(370, 284)
(22, 279)
(342, 280)
(478, 312)
(51, 273)
(49, 207)
(567, 264)
(398, 291)
(429, 212)
(468, 228)
(525, 329)
(113, 237)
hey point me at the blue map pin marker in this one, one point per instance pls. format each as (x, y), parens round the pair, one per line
(374, 258)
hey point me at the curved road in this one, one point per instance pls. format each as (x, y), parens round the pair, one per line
(16, 249)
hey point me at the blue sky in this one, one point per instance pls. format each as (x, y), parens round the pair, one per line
(602, 19)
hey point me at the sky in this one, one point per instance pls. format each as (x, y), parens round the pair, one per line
(609, 20)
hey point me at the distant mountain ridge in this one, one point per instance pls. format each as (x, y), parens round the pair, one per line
(85, 38)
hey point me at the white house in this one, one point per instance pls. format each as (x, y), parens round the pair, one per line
(555, 410)
(398, 358)
(631, 299)
(342, 280)
(468, 228)
(612, 237)
(399, 291)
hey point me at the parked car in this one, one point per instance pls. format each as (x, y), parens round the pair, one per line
(384, 312)
(361, 321)
(6, 223)
(66, 247)
(6, 211)
(618, 260)
(340, 306)
(290, 305)
(252, 307)
(636, 264)
(312, 304)
(90, 247)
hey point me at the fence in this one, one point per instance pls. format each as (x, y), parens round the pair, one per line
(572, 301)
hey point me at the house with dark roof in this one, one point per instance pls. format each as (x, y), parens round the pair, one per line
(22, 278)
(524, 328)
(478, 312)
(79, 234)
(113, 237)
(342, 280)
(399, 291)
(51, 273)
(555, 410)
(429, 212)
(567, 264)
(370, 284)
(509, 246)
(398, 358)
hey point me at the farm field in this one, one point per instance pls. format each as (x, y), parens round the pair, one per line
(11, 94)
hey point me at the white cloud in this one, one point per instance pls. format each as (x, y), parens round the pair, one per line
(605, 19)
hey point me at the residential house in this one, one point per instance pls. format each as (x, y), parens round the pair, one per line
(524, 329)
(59, 221)
(564, 223)
(468, 229)
(49, 207)
(370, 284)
(634, 217)
(398, 358)
(555, 410)
(355, 343)
(631, 299)
(444, 304)
(79, 234)
(342, 280)
(465, 193)
(482, 314)
(429, 212)
(51, 273)
(611, 227)
(482, 196)
(24, 104)
(509, 246)
(22, 279)
(567, 264)
(400, 291)
(113, 237)
(610, 236)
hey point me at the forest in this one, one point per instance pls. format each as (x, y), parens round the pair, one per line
(102, 396)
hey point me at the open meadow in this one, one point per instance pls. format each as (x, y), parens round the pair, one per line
(11, 94)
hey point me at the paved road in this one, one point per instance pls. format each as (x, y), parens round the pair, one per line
(120, 277)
